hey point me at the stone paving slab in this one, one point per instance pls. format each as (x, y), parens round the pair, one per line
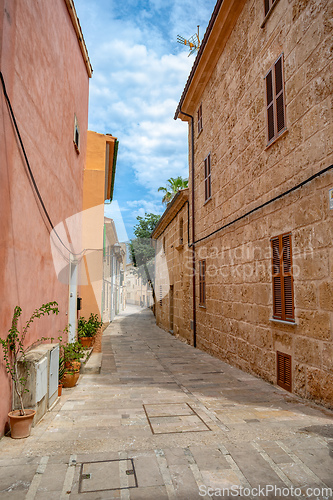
(260, 434)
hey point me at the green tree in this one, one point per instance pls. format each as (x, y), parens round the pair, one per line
(142, 248)
(174, 184)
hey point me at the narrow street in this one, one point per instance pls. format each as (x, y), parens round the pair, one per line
(164, 420)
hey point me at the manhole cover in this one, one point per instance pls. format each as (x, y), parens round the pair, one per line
(172, 418)
(107, 475)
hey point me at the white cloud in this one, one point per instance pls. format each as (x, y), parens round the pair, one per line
(139, 75)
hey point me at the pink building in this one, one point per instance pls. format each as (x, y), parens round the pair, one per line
(45, 73)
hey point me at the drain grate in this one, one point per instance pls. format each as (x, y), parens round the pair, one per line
(107, 475)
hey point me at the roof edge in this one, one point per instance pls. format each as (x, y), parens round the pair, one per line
(177, 202)
(77, 27)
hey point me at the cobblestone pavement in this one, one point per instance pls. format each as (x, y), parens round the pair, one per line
(166, 421)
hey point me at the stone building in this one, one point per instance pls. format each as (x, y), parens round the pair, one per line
(138, 292)
(258, 102)
(173, 268)
(44, 88)
(114, 267)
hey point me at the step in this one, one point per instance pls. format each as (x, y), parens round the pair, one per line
(94, 363)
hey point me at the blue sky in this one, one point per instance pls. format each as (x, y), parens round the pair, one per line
(139, 74)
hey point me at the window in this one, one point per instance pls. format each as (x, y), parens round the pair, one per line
(284, 370)
(199, 118)
(76, 139)
(208, 184)
(202, 282)
(283, 288)
(161, 295)
(181, 231)
(268, 5)
(275, 101)
(164, 245)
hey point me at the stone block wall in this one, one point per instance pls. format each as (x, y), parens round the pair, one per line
(172, 270)
(236, 322)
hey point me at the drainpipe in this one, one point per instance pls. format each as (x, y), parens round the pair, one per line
(193, 230)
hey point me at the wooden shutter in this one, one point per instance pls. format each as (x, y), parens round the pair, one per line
(279, 97)
(208, 186)
(200, 118)
(283, 363)
(275, 101)
(267, 7)
(283, 288)
(161, 295)
(202, 282)
(270, 106)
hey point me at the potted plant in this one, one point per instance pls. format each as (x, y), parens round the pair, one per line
(14, 354)
(87, 329)
(70, 354)
(61, 374)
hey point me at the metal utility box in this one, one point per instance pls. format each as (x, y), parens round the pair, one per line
(43, 365)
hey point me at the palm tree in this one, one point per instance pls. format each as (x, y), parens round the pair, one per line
(174, 184)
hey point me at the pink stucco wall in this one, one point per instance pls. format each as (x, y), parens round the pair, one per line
(47, 82)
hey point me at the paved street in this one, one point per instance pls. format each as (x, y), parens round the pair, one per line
(166, 421)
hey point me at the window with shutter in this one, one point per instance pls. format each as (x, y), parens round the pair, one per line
(208, 184)
(275, 101)
(161, 295)
(181, 231)
(202, 282)
(283, 363)
(268, 5)
(199, 118)
(283, 289)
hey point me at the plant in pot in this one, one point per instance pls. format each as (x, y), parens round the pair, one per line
(14, 354)
(71, 354)
(61, 373)
(87, 329)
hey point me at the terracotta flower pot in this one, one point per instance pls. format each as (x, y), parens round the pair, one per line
(73, 365)
(59, 389)
(70, 379)
(86, 341)
(20, 425)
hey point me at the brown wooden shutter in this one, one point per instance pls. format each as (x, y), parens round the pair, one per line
(208, 184)
(287, 278)
(279, 97)
(284, 370)
(202, 282)
(200, 118)
(283, 288)
(270, 105)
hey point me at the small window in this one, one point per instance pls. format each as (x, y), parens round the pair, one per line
(76, 135)
(208, 184)
(164, 245)
(200, 119)
(202, 282)
(275, 101)
(161, 295)
(181, 231)
(283, 287)
(268, 4)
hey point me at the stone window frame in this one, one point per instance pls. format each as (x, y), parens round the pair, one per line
(208, 177)
(202, 283)
(282, 279)
(276, 122)
(199, 119)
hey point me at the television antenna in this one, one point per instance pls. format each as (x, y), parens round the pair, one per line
(193, 42)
